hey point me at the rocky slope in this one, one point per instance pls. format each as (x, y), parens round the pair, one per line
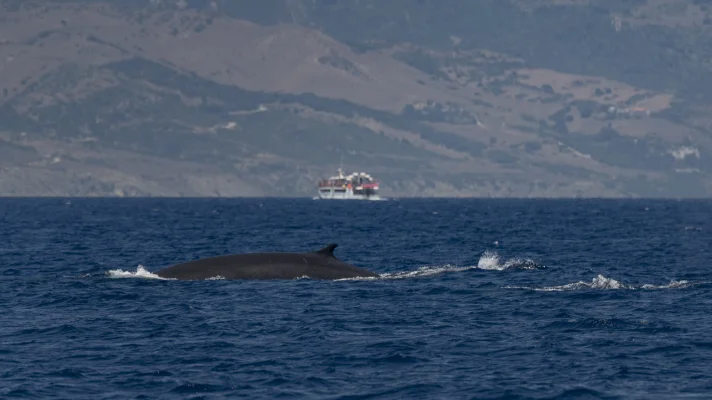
(546, 98)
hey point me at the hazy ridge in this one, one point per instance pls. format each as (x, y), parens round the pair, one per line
(545, 98)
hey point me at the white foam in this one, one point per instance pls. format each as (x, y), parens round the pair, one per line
(673, 285)
(141, 272)
(420, 272)
(602, 283)
(490, 261)
(425, 271)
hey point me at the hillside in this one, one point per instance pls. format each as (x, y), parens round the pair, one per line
(545, 98)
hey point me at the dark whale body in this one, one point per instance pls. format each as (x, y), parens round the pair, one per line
(321, 264)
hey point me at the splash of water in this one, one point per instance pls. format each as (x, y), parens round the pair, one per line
(141, 272)
(491, 261)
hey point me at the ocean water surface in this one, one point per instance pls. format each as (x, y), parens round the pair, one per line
(477, 299)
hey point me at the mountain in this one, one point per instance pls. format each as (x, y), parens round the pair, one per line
(490, 98)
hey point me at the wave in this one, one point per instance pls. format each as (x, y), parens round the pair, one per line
(602, 283)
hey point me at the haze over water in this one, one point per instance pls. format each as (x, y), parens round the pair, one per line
(493, 299)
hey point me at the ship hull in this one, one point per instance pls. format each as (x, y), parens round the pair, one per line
(331, 194)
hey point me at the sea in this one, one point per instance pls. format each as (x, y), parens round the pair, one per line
(476, 299)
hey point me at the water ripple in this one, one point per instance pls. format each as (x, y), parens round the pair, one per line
(521, 299)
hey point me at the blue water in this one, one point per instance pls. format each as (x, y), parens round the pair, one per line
(486, 299)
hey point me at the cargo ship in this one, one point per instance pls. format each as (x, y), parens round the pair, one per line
(357, 186)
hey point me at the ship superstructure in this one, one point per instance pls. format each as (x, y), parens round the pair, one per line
(356, 186)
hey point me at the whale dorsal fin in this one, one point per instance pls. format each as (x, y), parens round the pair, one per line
(328, 250)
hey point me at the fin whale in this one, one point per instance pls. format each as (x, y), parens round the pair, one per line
(320, 264)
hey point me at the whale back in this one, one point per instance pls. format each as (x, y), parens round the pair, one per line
(319, 264)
